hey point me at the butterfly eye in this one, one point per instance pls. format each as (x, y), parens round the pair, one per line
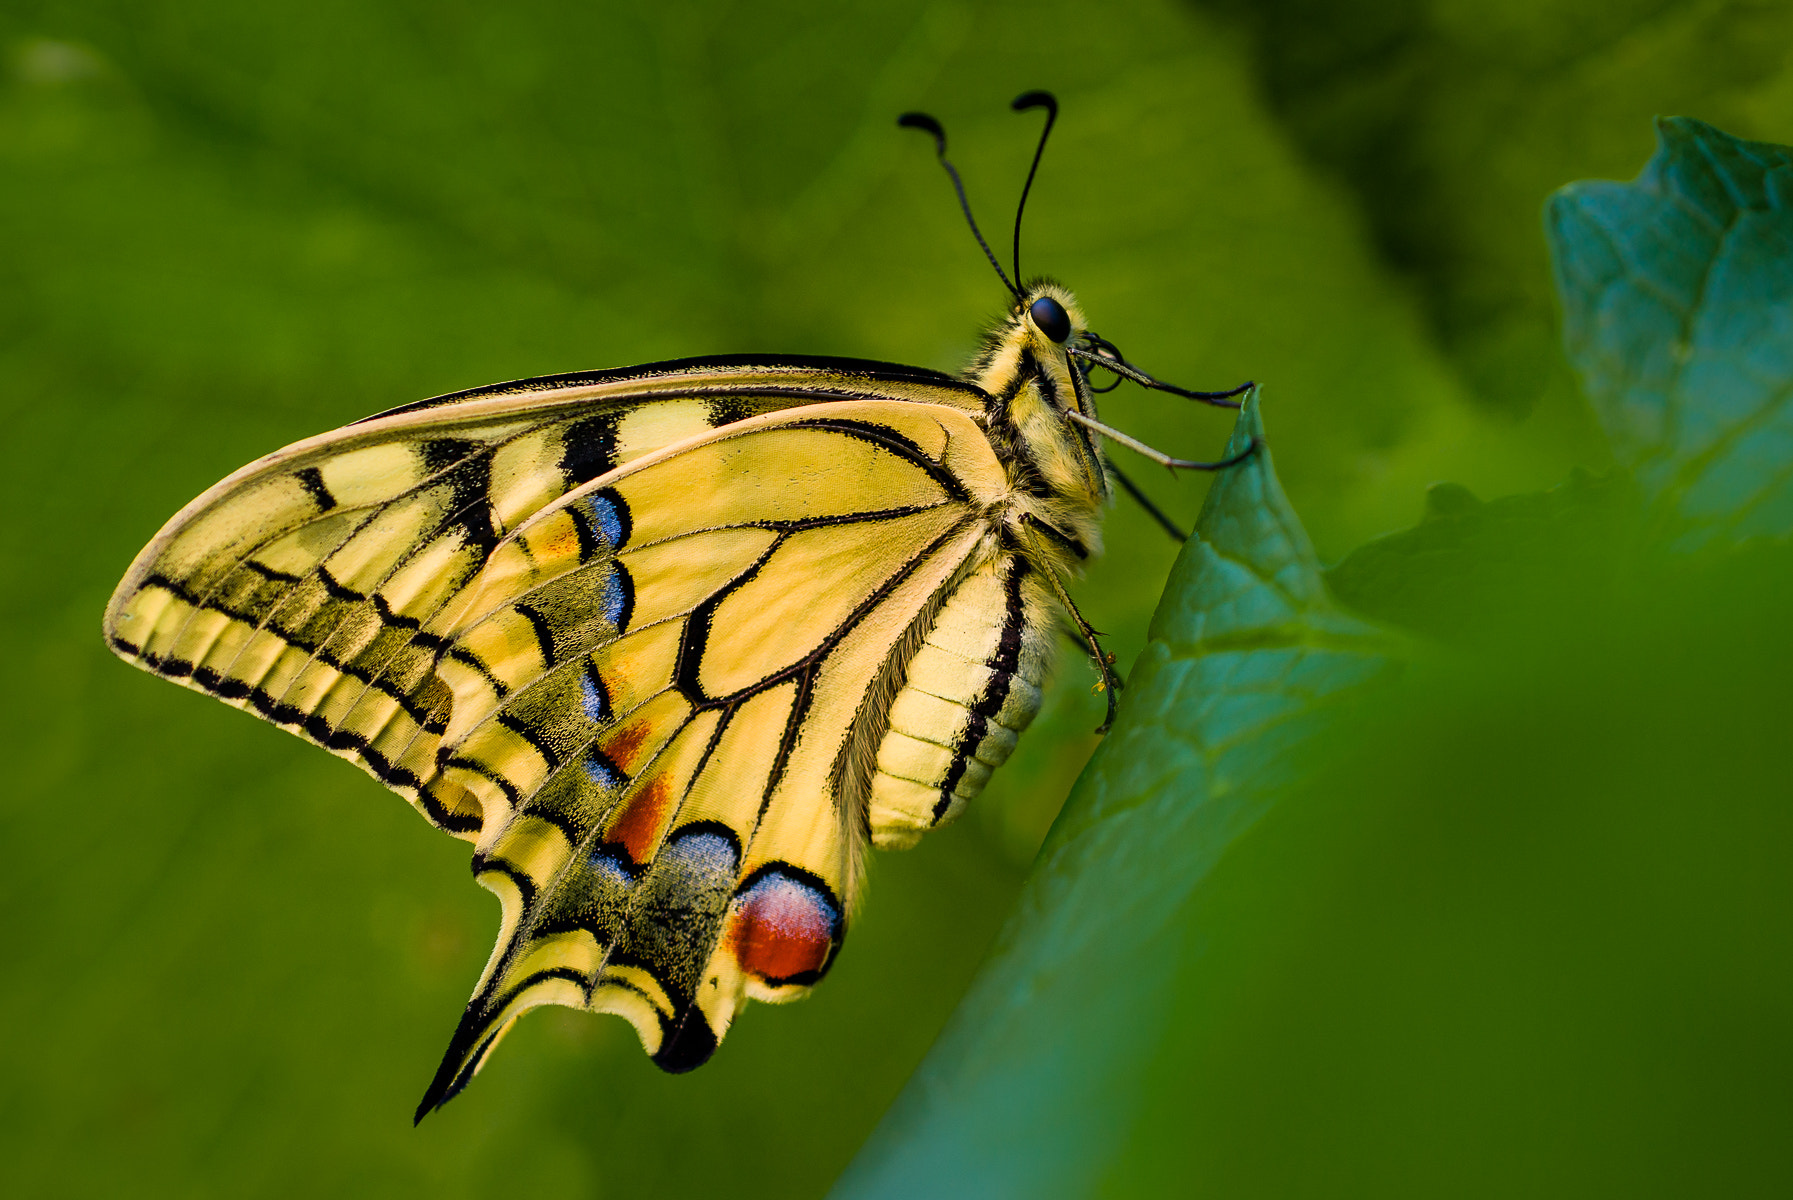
(1051, 317)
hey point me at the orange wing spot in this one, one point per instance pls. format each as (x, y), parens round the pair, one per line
(784, 928)
(623, 745)
(638, 826)
(557, 538)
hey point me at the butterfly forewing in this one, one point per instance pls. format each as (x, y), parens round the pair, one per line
(311, 587)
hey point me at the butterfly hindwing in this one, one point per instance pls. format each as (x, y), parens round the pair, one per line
(674, 801)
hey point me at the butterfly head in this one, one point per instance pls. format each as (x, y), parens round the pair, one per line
(1034, 386)
(1032, 345)
(1035, 367)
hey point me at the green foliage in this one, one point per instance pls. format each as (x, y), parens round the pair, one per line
(1450, 120)
(1471, 572)
(1678, 307)
(1036, 1081)
(233, 960)
(1524, 935)
(1508, 925)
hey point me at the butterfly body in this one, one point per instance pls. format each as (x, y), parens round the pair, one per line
(670, 645)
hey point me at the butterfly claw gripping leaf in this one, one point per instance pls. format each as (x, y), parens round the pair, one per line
(670, 645)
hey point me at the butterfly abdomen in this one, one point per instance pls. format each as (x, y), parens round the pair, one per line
(972, 687)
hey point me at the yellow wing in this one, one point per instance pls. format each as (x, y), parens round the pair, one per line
(669, 701)
(310, 587)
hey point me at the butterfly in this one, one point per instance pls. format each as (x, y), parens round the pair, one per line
(671, 645)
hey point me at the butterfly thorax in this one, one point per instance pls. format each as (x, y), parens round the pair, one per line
(1054, 468)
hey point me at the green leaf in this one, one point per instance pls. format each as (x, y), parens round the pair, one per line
(1511, 937)
(1470, 572)
(1678, 312)
(1030, 1089)
(1679, 301)
(1449, 121)
(1522, 935)
(1096, 1046)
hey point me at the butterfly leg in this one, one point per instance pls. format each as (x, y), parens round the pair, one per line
(1144, 501)
(1109, 683)
(1159, 456)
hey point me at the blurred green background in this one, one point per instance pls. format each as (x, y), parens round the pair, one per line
(1525, 934)
(233, 960)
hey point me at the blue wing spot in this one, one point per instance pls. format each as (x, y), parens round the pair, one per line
(594, 698)
(601, 771)
(702, 851)
(616, 596)
(609, 516)
(612, 862)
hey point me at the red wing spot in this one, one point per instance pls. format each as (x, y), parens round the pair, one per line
(783, 929)
(639, 824)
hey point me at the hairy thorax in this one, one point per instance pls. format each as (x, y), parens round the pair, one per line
(1055, 472)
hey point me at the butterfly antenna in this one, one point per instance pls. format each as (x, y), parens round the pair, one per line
(927, 124)
(1022, 103)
